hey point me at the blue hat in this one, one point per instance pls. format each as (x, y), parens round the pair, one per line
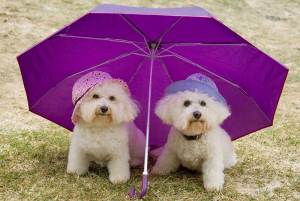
(199, 83)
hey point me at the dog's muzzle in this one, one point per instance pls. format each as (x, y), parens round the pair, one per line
(102, 110)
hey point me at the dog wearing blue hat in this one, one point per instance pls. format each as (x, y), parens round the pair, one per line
(195, 109)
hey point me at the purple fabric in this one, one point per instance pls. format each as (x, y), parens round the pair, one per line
(115, 39)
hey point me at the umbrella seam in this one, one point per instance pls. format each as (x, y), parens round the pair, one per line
(237, 86)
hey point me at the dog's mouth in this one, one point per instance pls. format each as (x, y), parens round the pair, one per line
(197, 120)
(101, 114)
(98, 113)
(196, 123)
(103, 117)
(197, 126)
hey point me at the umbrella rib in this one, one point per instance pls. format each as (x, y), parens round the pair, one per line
(142, 55)
(200, 44)
(166, 70)
(107, 62)
(121, 56)
(178, 56)
(137, 30)
(167, 31)
(136, 71)
(166, 55)
(104, 39)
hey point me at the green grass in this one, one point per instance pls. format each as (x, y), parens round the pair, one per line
(33, 151)
(33, 164)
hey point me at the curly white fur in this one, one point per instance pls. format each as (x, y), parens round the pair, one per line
(109, 138)
(211, 153)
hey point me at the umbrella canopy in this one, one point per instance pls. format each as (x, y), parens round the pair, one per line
(149, 49)
(124, 41)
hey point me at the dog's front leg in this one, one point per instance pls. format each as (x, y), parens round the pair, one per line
(166, 163)
(77, 160)
(213, 176)
(119, 170)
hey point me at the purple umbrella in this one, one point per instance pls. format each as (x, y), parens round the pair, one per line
(150, 48)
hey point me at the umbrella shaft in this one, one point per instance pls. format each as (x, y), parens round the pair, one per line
(153, 51)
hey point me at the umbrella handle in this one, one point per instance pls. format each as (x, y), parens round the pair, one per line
(144, 188)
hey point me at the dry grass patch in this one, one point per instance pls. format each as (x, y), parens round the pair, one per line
(33, 151)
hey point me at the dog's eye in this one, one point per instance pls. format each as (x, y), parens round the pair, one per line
(112, 98)
(202, 103)
(187, 103)
(95, 96)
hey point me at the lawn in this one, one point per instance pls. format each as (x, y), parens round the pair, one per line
(33, 151)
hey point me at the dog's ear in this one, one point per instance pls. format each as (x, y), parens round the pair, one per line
(163, 109)
(222, 112)
(131, 110)
(75, 115)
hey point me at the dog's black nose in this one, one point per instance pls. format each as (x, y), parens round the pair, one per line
(197, 114)
(104, 109)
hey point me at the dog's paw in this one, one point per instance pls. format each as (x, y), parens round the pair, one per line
(117, 179)
(212, 185)
(230, 162)
(76, 171)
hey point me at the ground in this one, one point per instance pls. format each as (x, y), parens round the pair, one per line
(33, 151)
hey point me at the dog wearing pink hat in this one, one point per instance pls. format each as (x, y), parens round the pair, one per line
(104, 131)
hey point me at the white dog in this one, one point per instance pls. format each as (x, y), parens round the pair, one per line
(103, 130)
(195, 109)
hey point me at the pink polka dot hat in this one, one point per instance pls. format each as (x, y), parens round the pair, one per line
(88, 82)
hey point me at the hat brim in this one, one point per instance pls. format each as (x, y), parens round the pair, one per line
(195, 86)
